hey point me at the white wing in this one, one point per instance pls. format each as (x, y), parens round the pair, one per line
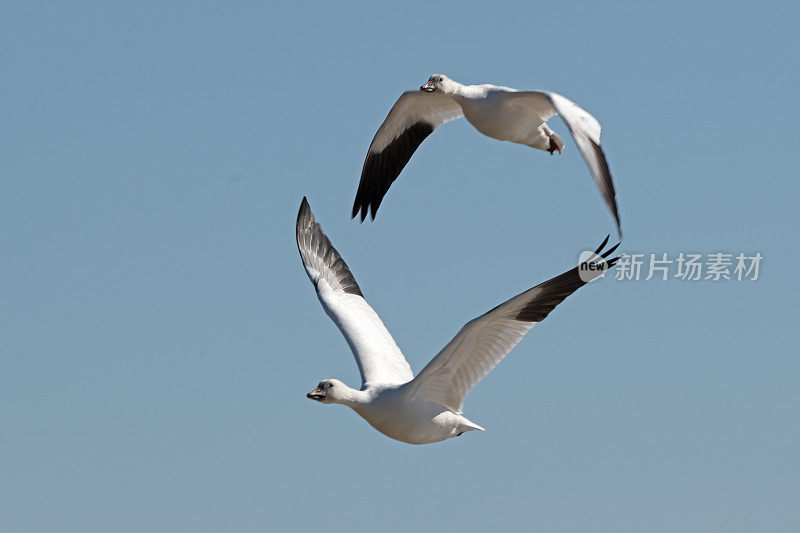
(485, 341)
(377, 355)
(585, 130)
(413, 117)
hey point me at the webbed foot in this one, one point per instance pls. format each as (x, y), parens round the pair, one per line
(554, 146)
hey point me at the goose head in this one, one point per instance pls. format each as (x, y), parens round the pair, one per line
(329, 391)
(440, 83)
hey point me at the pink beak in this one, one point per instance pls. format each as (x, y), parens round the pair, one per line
(316, 394)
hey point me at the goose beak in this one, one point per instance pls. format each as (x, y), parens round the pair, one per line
(316, 394)
(428, 87)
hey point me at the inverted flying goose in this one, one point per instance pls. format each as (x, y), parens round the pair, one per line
(499, 112)
(427, 408)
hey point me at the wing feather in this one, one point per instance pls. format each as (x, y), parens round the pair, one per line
(414, 116)
(483, 342)
(377, 355)
(585, 129)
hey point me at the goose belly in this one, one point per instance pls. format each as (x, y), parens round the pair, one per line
(417, 424)
(504, 122)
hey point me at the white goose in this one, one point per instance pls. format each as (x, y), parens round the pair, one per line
(427, 408)
(499, 112)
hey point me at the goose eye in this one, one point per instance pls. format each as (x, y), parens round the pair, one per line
(330, 385)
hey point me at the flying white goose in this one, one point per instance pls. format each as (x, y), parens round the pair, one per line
(427, 408)
(499, 112)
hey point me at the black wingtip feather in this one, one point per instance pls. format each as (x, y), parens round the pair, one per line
(311, 239)
(603, 244)
(554, 291)
(610, 250)
(382, 168)
(305, 210)
(606, 184)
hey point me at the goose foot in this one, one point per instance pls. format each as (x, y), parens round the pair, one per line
(553, 147)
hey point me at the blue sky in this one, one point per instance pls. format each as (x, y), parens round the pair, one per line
(158, 333)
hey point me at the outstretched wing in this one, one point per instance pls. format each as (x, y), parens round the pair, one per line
(585, 130)
(413, 117)
(485, 341)
(377, 355)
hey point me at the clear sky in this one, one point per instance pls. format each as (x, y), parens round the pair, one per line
(158, 333)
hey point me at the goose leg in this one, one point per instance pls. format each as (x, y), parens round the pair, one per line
(555, 144)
